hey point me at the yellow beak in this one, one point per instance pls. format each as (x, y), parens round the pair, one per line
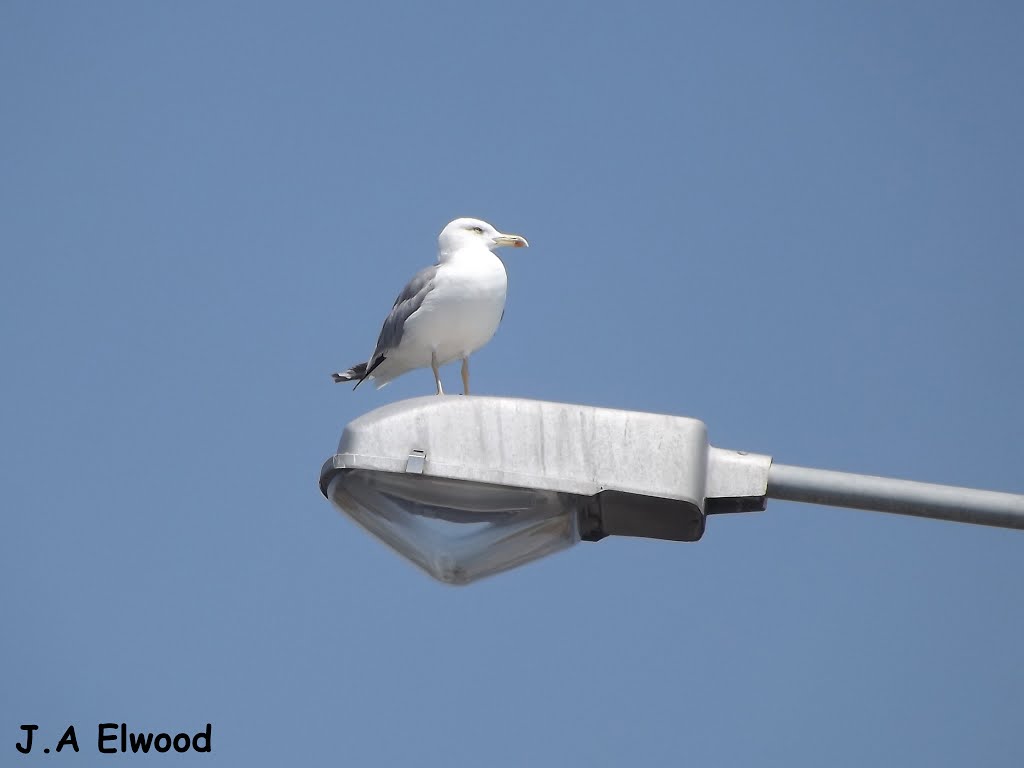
(516, 241)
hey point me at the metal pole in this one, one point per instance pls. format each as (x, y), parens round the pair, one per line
(901, 497)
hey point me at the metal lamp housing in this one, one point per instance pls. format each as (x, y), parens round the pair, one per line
(469, 486)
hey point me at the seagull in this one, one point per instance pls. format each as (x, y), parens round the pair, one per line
(447, 311)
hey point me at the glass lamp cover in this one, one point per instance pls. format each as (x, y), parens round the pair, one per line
(457, 531)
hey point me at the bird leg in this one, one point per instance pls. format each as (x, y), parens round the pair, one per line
(465, 375)
(437, 375)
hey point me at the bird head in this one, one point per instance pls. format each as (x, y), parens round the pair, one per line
(468, 233)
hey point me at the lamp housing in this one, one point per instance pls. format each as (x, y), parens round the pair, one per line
(465, 487)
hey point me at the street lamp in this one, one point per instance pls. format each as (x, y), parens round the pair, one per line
(466, 487)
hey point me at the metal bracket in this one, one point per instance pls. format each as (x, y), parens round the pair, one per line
(737, 482)
(415, 463)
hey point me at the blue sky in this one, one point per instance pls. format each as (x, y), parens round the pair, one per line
(799, 222)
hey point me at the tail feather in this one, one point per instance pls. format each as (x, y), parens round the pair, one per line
(357, 373)
(352, 374)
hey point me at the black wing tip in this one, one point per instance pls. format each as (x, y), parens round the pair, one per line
(367, 370)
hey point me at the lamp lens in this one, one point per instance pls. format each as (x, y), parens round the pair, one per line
(457, 531)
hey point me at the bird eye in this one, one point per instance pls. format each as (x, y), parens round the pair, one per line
(478, 230)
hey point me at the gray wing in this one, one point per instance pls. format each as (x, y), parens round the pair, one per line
(408, 301)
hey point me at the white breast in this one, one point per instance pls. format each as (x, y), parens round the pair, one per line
(461, 313)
